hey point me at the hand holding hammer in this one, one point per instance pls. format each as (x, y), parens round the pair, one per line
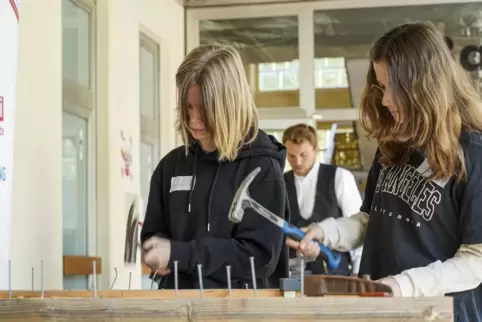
(242, 200)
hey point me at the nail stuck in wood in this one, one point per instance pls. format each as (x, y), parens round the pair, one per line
(253, 274)
(228, 276)
(200, 275)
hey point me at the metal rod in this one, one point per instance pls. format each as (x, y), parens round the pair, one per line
(200, 276)
(153, 279)
(9, 279)
(176, 281)
(33, 279)
(130, 279)
(42, 291)
(228, 276)
(94, 279)
(302, 276)
(115, 278)
(253, 274)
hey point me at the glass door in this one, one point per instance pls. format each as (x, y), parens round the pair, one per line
(75, 199)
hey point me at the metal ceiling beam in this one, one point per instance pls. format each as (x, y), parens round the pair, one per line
(233, 3)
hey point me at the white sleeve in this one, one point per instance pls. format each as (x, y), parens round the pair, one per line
(460, 273)
(349, 201)
(345, 233)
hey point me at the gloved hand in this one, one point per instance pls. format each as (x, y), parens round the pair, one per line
(390, 281)
(156, 253)
(307, 247)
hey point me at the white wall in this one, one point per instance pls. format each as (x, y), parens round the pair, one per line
(119, 24)
(37, 217)
(37, 171)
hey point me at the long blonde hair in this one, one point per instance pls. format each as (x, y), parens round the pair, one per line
(435, 98)
(227, 107)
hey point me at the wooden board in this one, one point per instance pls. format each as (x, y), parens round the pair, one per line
(339, 309)
(137, 294)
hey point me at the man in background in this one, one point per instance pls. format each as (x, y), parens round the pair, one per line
(317, 191)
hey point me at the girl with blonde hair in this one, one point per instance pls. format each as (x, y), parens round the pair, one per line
(421, 220)
(193, 186)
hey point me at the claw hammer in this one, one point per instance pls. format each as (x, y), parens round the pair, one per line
(242, 200)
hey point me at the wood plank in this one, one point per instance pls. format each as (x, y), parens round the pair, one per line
(81, 265)
(147, 294)
(211, 309)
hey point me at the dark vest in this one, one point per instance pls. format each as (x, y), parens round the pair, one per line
(325, 206)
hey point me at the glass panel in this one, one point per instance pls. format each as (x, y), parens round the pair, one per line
(75, 193)
(268, 81)
(76, 43)
(271, 44)
(148, 83)
(147, 167)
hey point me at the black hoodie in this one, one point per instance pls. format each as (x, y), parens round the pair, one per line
(193, 214)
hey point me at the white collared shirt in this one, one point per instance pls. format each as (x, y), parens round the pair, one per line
(347, 196)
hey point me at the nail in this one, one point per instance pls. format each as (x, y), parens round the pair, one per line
(115, 278)
(33, 279)
(253, 274)
(153, 279)
(42, 291)
(302, 279)
(176, 281)
(228, 274)
(9, 279)
(94, 279)
(130, 278)
(200, 276)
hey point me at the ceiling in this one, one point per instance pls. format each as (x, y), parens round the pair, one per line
(227, 3)
(347, 33)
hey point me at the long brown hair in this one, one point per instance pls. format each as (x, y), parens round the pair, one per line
(435, 97)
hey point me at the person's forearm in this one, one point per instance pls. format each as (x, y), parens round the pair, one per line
(460, 273)
(345, 233)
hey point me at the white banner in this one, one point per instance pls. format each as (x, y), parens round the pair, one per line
(8, 75)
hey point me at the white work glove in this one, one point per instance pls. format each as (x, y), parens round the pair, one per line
(156, 253)
(390, 281)
(307, 247)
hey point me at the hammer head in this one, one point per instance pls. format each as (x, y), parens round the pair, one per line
(132, 233)
(236, 212)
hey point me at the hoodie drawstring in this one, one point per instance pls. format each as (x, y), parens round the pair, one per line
(208, 228)
(193, 180)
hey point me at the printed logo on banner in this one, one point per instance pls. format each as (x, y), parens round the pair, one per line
(2, 115)
(3, 174)
(1, 108)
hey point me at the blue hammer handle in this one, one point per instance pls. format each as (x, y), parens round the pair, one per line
(332, 259)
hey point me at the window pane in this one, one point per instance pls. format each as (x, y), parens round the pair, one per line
(268, 81)
(76, 35)
(290, 80)
(75, 193)
(329, 79)
(147, 167)
(148, 83)
(270, 43)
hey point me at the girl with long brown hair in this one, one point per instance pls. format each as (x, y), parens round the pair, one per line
(421, 219)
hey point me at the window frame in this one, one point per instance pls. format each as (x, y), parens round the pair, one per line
(150, 126)
(80, 101)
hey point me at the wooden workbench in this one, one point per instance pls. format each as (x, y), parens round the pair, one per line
(164, 305)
